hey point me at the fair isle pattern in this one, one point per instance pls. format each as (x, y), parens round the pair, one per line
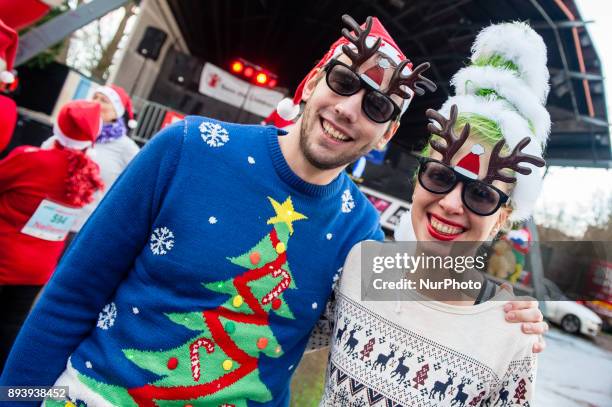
(373, 360)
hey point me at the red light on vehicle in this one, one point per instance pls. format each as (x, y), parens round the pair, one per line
(248, 72)
(261, 78)
(272, 83)
(237, 66)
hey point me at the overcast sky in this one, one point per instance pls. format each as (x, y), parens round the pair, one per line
(580, 193)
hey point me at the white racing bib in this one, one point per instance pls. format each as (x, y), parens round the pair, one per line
(51, 221)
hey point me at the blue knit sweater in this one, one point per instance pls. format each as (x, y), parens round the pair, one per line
(198, 278)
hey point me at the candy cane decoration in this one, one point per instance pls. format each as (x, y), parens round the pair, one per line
(280, 287)
(194, 349)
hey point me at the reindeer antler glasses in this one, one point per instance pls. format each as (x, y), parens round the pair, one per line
(346, 81)
(480, 197)
(440, 178)
(377, 106)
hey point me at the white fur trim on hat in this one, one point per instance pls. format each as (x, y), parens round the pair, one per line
(69, 142)
(465, 172)
(287, 110)
(519, 43)
(514, 128)
(509, 86)
(114, 98)
(525, 194)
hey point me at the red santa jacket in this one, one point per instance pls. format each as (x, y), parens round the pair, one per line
(27, 176)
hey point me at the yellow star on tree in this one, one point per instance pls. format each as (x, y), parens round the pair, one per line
(285, 213)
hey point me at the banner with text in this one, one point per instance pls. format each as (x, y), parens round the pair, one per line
(223, 86)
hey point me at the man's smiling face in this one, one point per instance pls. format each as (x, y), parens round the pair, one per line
(334, 129)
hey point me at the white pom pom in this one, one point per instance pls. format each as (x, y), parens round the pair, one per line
(287, 110)
(132, 123)
(7, 77)
(478, 149)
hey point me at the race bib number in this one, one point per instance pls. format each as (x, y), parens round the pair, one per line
(51, 221)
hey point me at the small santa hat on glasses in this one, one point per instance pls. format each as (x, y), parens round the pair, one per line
(469, 165)
(121, 102)
(289, 108)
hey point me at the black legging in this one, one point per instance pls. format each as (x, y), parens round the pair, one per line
(15, 304)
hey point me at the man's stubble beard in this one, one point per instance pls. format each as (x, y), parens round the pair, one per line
(319, 162)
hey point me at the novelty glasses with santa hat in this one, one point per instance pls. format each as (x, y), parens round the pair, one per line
(360, 45)
(479, 196)
(345, 80)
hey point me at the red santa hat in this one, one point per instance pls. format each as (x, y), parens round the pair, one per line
(21, 13)
(275, 120)
(8, 119)
(78, 124)
(121, 102)
(469, 165)
(289, 109)
(8, 49)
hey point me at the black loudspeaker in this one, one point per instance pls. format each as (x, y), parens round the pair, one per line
(152, 42)
(185, 70)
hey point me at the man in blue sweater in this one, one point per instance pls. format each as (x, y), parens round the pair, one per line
(199, 278)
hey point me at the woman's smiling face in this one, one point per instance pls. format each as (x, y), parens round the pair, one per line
(444, 217)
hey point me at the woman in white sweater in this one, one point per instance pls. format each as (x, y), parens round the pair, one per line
(113, 149)
(478, 172)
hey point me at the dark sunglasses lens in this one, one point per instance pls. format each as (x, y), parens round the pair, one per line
(343, 81)
(378, 107)
(481, 198)
(436, 177)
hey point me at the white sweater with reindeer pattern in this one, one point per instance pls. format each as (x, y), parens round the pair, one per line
(424, 353)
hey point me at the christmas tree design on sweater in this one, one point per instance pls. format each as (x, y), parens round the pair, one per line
(218, 365)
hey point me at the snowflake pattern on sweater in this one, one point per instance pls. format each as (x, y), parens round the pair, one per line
(214, 134)
(348, 203)
(107, 316)
(162, 241)
(163, 210)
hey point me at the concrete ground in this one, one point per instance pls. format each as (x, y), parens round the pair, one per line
(574, 371)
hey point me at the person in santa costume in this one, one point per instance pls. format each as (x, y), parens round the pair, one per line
(41, 192)
(416, 345)
(114, 149)
(19, 14)
(8, 108)
(200, 276)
